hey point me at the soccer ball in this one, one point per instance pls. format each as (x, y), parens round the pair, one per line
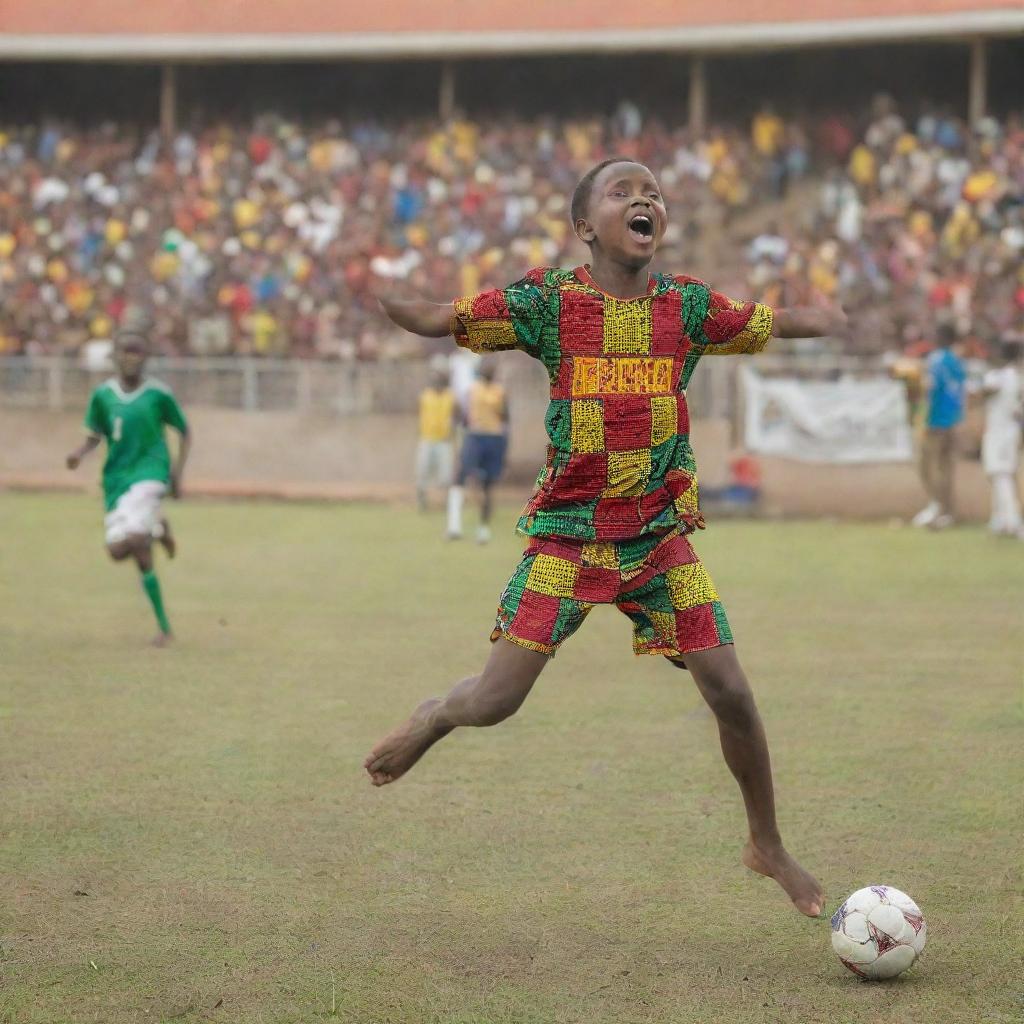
(878, 932)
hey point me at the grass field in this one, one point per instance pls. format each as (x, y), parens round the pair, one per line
(186, 835)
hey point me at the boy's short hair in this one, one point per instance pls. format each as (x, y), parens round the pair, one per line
(581, 194)
(945, 335)
(129, 332)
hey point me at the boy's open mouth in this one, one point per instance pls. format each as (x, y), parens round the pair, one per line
(641, 227)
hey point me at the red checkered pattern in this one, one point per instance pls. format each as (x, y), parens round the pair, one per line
(619, 462)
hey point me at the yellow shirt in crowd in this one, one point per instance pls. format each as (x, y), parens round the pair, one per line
(980, 184)
(862, 166)
(264, 329)
(768, 132)
(487, 408)
(436, 414)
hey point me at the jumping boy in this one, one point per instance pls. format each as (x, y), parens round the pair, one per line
(617, 499)
(130, 411)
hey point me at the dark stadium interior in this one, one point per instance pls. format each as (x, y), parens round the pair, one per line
(565, 85)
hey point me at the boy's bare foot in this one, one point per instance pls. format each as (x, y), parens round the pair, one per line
(162, 640)
(394, 755)
(801, 886)
(166, 539)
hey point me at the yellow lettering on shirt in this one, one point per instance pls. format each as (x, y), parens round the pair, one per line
(599, 375)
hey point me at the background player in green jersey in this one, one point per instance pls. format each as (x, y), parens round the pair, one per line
(130, 411)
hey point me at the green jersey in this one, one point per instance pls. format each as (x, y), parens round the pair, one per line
(133, 424)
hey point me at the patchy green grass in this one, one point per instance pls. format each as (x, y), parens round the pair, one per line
(186, 835)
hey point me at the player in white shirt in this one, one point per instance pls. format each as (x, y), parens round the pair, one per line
(1000, 444)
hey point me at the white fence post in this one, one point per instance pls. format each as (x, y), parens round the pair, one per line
(250, 387)
(304, 387)
(55, 384)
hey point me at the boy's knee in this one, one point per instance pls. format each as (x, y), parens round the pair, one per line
(141, 543)
(497, 707)
(730, 698)
(497, 699)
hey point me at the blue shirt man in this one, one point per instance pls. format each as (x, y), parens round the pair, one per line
(946, 376)
(946, 386)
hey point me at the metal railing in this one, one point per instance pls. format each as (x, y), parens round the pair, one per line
(252, 385)
(348, 389)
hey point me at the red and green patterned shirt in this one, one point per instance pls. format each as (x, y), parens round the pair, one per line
(619, 461)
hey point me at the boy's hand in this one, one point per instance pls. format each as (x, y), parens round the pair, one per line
(74, 460)
(174, 487)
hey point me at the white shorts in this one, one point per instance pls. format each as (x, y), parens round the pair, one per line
(434, 461)
(1000, 451)
(137, 512)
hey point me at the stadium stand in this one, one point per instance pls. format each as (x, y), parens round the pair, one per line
(255, 205)
(271, 238)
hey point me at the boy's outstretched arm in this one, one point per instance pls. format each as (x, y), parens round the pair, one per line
(427, 319)
(73, 461)
(178, 469)
(810, 322)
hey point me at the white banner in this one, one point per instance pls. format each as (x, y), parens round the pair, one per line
(840, 421)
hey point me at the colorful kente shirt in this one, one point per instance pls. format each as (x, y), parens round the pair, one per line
(619, 462)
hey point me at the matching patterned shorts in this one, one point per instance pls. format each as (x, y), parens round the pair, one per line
(658, 581)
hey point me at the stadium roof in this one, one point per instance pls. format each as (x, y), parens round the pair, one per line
(273, 29)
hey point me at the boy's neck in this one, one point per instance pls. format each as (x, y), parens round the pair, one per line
(616, 279)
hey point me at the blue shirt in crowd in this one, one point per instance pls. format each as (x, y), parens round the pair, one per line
(946, 377)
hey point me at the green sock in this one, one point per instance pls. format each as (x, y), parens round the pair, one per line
(152, 587)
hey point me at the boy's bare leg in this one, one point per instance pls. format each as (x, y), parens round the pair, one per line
(724, 686)
(165, 538)
(486, 699)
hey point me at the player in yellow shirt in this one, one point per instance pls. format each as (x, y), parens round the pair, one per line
(483, 450)
(434, 455)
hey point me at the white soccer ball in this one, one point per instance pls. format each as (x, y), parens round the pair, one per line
(878, 932)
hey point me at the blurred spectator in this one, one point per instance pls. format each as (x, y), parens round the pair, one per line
(269, 238)
(437, 418)
(743, 489)
(913, 228)
(1000, 445)
(209, 332)
(946, 381)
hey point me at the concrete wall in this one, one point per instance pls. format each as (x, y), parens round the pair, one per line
(292, 455)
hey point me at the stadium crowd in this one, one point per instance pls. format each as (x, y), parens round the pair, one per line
(271, 239)
(915, 225)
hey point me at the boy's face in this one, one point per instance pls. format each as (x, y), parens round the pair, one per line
(625, 215)
(130, 357)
